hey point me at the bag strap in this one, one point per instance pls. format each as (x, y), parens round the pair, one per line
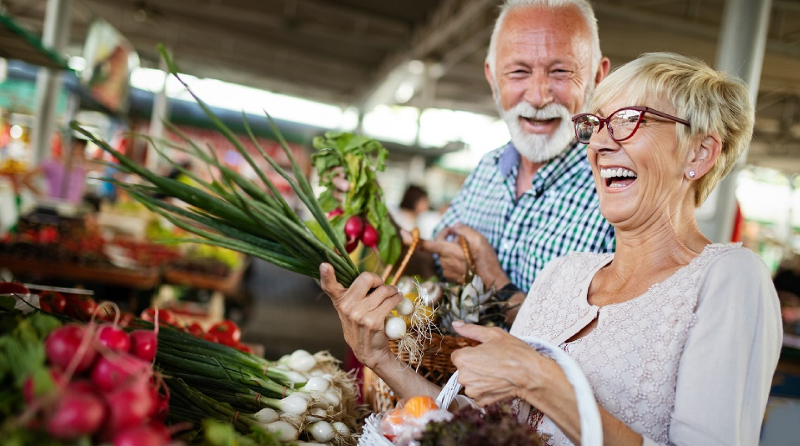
(591, 427)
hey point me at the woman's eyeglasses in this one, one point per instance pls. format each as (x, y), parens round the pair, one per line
(622, 124)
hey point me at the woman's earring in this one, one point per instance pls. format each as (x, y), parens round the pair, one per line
(692, 174)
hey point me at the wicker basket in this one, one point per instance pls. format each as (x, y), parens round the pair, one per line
(435, 366)
(591, 428)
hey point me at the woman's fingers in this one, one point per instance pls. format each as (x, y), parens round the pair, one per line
(328, 282)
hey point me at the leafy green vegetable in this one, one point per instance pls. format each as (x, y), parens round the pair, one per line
(218, 433)
(498, 426)
(22, 355)
(21, 436)
(7, 302)
(358, 158)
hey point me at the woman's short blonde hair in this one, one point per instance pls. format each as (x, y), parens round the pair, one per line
(713, 102)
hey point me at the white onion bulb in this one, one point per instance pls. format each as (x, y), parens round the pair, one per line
(284, 430)
(395, 327)
(321, 431)
(405, 307)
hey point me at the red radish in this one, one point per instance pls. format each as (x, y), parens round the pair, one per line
(353, 228)
(144, 344)
(111, 372)
(350, 247)
(162, 407)
(143, 435)
(335, 213)
(159, 427)
(370, 236)
(114, 338)
(63, 344)
(29, 387)
(77, 413)
(130, 405)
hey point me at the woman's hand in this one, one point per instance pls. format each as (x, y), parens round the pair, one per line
(502, 367)
(362, 309)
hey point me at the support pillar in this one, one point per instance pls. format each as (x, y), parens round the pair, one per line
(740, 52)
(159, 114)
(48, 81)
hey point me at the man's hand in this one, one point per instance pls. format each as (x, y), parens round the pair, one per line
(484, 257)
(362, 309)
(451, 256)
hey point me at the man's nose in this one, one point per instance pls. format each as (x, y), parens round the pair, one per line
(539, 92)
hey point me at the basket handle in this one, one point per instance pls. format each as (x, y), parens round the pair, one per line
(591, 427)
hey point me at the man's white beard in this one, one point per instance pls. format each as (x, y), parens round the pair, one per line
(536, 147)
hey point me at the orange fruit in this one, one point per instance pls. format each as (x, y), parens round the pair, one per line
(419, 405)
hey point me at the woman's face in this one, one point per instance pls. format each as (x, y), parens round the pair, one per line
(641, 179)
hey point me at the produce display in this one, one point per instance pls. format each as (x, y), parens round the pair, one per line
(70, 381)
(74, 383)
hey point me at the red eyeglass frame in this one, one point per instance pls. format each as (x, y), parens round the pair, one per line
(604, 121)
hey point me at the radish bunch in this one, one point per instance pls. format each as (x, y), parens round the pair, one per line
(356, 229)
(105, 387)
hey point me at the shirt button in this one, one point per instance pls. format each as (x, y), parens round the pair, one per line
(507, 245)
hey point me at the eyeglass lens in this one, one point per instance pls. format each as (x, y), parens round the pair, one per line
(621, 125)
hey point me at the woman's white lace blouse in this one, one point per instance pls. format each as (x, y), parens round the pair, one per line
(688, 362)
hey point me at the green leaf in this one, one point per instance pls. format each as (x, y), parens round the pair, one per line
(44, 324)
(328, 201)
(317, 230)
(7, 302)
(217, 433)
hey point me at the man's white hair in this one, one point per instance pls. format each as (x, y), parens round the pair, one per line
(583, 6)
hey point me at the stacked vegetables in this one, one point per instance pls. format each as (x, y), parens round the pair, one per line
(301, 396)
(92, 381)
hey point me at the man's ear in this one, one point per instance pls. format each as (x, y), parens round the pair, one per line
(704, 155)
(490, 79)
(602, 70)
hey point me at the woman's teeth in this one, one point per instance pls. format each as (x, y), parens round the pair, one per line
(618, 177)
(616, 173)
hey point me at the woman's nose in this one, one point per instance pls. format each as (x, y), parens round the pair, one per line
(601, 141)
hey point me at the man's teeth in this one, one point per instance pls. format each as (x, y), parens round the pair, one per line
(616, 173)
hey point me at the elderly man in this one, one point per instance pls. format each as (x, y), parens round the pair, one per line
(534, 199)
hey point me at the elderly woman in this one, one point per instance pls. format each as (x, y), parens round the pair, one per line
(678, 337)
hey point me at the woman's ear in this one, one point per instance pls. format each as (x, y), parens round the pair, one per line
(703, 156)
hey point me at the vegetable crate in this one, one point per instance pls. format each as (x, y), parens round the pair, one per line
(435, 365)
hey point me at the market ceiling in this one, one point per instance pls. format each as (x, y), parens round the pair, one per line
(356, 52)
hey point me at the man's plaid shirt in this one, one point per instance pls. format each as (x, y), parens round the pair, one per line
(559, 214)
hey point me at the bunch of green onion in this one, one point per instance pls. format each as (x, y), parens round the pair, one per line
(301, 396)
(233, 212)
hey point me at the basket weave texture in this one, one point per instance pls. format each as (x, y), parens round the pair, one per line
(435, 365)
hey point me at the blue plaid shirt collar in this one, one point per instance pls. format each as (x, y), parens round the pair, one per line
(508, 162)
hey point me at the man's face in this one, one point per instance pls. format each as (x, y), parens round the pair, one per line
(543, 76)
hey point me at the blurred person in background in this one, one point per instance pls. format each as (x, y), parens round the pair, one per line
(65, 179)
(534, 198)
(414, 203)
